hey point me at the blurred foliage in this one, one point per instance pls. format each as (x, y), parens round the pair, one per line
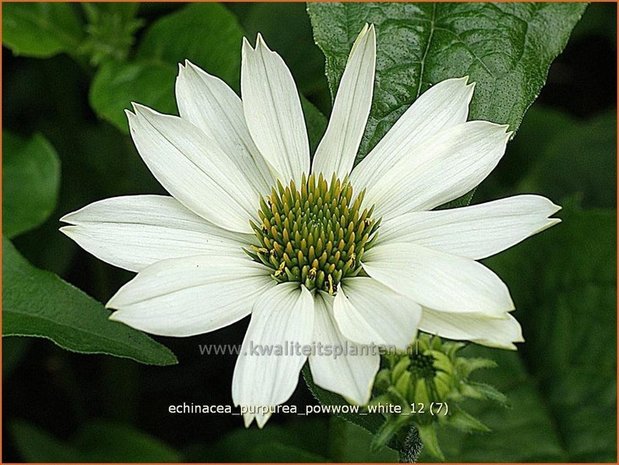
(110, 29)
(71, 70)
(32, 172)
(97, 441)
(563, 386)
(41, 30)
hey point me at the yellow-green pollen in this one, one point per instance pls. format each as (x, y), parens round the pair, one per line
(315, 234)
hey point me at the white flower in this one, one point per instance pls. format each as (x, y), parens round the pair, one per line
(248, 230)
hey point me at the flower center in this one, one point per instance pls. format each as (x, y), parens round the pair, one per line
(422, 366)
(316, 234)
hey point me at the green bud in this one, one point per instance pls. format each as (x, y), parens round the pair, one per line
(428, 382)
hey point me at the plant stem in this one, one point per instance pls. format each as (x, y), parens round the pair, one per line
(411, 446)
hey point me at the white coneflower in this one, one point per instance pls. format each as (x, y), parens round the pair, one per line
(322, 254)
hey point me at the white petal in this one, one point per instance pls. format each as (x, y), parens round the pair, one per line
(136, 231)
(437, 280)
(351, 373)
(368, 312)
(273, 111)
(261, 418)
(493, 332)
(193, 169)
(338, 148)
(444, 105)
(267, 371)
(477, 231)
(190, 295)
(446, 167)
(208, 103)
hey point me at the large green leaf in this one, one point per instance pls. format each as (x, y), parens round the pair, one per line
(97, 441)
(40, 29)
(568, 311)
(40, 304)
(561, 387)
(31, 178)
(505, 48)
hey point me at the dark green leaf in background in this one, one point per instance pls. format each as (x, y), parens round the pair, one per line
(561, 385)
(351, 443)
(40, 304)
(302, 440)
(216, 47)
(294, 43)
(568, 155)
(117, 84)
(41, 30)
(31, 179)
(149, 79)
(523, 432)
(505, 48)
(97, 441)
(371, 422)
(568, 301)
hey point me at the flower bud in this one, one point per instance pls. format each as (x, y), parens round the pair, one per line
(428, 381)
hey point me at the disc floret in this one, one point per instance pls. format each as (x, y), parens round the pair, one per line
(314, 234)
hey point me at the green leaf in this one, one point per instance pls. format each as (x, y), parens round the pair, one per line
(487, 392)
(97, 441)
(36, 445)
(428, 436)
(205, 33)
(40, 30)
(117, 84)
(295, 441)
(31, 178)
(523, 433)
(569, 316)
(40, 304)
(572, 157)
(316, 122)
(351, 443)
(505, 48)
(104, 441)
(294, 43)
(466, 422)
(371, 422)
(562, 385)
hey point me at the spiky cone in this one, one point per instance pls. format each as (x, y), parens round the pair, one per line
(428, 382)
